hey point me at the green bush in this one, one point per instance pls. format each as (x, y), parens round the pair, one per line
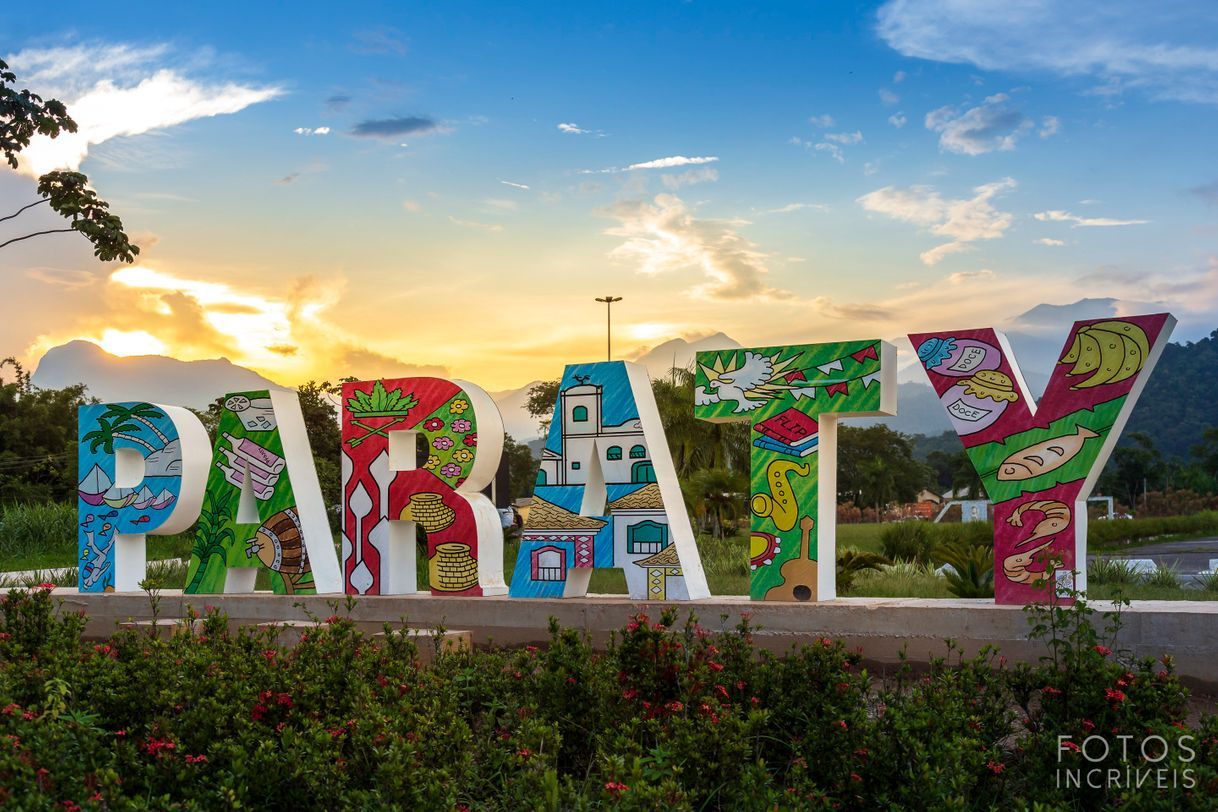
(1111, 571)
(1114, 532)
(1163, 577)
(972, 568)
(36, 528)
(907, 541)
(667, 716)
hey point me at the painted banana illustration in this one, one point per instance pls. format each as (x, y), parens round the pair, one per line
(1108, 352)
(1045, 456)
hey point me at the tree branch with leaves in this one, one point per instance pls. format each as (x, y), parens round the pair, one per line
(23, 115)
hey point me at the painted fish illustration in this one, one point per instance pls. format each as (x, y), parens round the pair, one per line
(88, 520)
(110, 515)
(1045, 456)
(142, 520)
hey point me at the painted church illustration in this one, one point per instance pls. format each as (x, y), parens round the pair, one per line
(631, 531)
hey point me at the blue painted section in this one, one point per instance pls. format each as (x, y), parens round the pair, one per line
(103, 509)
(617, 401)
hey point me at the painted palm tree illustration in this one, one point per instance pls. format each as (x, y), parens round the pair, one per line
(108, 431)
(213, 536)
(142, 413)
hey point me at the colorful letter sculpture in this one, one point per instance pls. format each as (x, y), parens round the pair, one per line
(792, 398)
(386, 497)
(1039, 463)
(263, 508)
(607, 495)
(117, 504)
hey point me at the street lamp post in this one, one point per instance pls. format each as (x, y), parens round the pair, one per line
(609, 300)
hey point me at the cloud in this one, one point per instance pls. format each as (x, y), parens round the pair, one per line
(690, 177)
(821, 122)
(1049, 241)
(992, 125)
(790, 207)
(1049, 126)
(1054, 216)
(845, 138)
(120, 90)
(494, 228)
(288, 179)
(674, 161)
(513, 185)
(1207, 192)
(412, 206)
(573, 129)
(898, 77)
(851, 311)
(337, 103)
(312, 131)
(663, 236)
(833, 149)
(888, 98)
(1110, 46)
(394, 128)
(379, 40)
(897, 120)
(659, 163)
(965, 220)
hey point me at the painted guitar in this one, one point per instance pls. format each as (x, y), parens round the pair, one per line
(798, 574)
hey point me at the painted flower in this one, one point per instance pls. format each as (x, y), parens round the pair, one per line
(442, 443)
(432, 462)
(461, 425)
(433, 424)
(463, 455)
(471, 439)
(458, 406)
(451, 470)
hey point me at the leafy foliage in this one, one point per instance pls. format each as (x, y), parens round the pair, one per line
(971, 573)
(667, 715)
(22, 116)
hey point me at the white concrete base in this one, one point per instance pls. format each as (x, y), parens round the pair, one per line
(881, 627)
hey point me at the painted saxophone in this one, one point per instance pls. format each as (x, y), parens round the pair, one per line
(779, 504)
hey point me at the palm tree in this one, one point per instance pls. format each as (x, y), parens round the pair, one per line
(140, 412)
(108, 433)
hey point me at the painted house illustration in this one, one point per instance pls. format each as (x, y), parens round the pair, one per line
(636, 533)
(622, 449)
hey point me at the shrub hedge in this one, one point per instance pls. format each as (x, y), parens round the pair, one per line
(666, 717)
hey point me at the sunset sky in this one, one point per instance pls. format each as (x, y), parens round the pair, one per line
(371, 189)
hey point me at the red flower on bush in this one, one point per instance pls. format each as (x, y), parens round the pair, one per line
(1114, 695)
(48, 587)
(525, 753)
(1051, 691)
(258, 712)
(616, 788)
(154, 747)
(996, 767)
(1103, 651)
(199, 759)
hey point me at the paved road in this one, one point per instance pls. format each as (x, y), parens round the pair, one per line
(1188, 557)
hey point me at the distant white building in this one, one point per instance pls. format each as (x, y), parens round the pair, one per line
(622, 449)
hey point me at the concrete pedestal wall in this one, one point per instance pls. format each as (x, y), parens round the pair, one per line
(881, 627)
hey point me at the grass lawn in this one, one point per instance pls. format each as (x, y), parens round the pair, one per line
(724, 560)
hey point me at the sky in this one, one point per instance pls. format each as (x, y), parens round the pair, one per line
(446, 188)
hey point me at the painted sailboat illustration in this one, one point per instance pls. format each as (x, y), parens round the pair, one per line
(94, 486)
(143, 499)
(119, 497)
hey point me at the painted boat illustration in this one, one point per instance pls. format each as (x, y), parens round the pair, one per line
(94, 486)
(119, 497)
(163, 499)
(144, 499)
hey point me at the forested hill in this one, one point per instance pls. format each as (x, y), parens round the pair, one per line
(1181, 398)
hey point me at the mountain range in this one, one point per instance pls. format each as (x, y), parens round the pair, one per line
(1036, 337)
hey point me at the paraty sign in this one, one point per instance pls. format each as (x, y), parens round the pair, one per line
(607, 494)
